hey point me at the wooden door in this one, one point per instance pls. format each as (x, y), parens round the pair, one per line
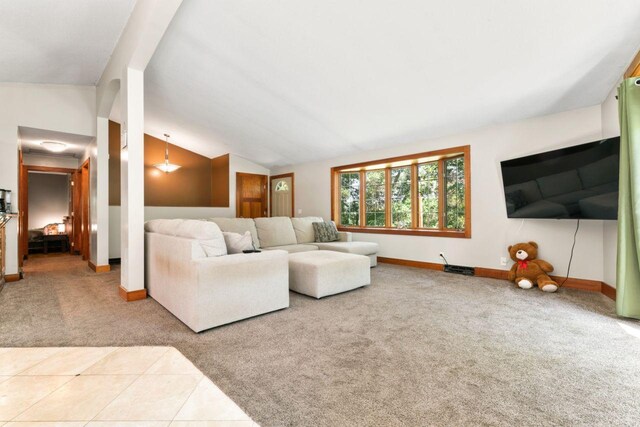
(68, 223)
(251, 195)
(282, 195)
(23, 213)
(84, 205)
(76, 213)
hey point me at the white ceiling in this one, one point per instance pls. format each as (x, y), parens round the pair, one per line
(59, 41)
(298, 80)
(30, 139)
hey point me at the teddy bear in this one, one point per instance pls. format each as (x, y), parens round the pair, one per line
(528, 270)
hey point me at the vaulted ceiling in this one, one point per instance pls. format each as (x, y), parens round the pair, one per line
(297, 80)
(59, 41)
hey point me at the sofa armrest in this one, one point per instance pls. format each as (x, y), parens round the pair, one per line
(345, 236)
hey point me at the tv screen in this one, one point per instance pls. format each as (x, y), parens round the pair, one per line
(574, 182)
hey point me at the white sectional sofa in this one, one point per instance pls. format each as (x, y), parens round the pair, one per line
(294, 235)
(189, 272)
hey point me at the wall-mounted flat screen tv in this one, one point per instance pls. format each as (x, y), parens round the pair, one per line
(574, 182)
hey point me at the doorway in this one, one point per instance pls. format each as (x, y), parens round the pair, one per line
(54, 211)
(251, 195)
(282, 195)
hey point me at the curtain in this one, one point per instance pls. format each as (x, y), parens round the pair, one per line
(628, 266)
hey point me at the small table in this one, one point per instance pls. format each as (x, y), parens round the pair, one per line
(55, 241)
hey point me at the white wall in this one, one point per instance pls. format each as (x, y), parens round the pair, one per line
(610, 127)
(61, 108)
(236, 164)
(48, 198)
(492, 231)
(50, 161)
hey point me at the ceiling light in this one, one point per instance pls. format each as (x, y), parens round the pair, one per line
(167, 167)
(56, 147)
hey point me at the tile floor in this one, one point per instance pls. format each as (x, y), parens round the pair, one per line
(110, 387)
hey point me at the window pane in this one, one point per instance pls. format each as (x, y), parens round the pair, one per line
(350, 198)
(428, 194)
(401, 197)
(375, 198)
(454, 196)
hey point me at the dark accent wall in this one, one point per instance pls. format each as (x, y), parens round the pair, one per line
(198, 183)
(220, 182)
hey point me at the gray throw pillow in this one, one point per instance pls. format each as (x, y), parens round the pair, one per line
(325, 232)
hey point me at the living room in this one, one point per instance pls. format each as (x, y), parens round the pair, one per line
(309, 213)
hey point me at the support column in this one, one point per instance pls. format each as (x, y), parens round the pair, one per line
(99, 261)
(132, 185)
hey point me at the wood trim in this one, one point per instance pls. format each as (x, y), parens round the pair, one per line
(48, 169)
(293, 193)
(85, 202)
(634, 67)
(467, 192)
(99, 268)
(387, 198)
(12, 277)
(363, 198)
(405, 231)
(410, 263)
(493, 273)
(608, 291)
(129, 296)
(444, 153)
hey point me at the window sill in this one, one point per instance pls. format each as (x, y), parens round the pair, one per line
(408, 232)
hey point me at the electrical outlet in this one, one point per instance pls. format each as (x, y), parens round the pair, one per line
(299, 211)
(503, 261)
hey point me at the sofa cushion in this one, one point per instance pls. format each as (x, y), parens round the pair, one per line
(208, 234)
(276, 231)
(163, 226)
(303, 228)
(559, 183)
(530, 190)
(600, 172)
(292, 249)
(236, 242)
(238, 225)
(325, 232)
(358, 248)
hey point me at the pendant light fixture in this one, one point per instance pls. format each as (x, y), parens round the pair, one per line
(167, 167)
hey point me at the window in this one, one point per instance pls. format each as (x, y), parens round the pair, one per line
(401, 197)
(422, 194)
(282, 186)
(350, 199)
(375, 200)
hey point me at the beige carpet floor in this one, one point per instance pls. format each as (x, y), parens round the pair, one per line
(415, 348)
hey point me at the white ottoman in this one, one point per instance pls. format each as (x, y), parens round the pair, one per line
(322, 273)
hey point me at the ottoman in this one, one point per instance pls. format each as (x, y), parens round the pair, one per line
(322, 273)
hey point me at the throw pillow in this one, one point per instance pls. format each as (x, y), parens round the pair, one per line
(236, 242)
(517, 199)
(325, 232)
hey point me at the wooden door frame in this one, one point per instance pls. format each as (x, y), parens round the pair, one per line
(265, 193)
(293, 194)
(85, 205)
(23, 204)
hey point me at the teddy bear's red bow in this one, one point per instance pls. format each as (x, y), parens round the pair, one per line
(522, 264)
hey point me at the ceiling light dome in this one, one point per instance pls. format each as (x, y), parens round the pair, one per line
(56, 147)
